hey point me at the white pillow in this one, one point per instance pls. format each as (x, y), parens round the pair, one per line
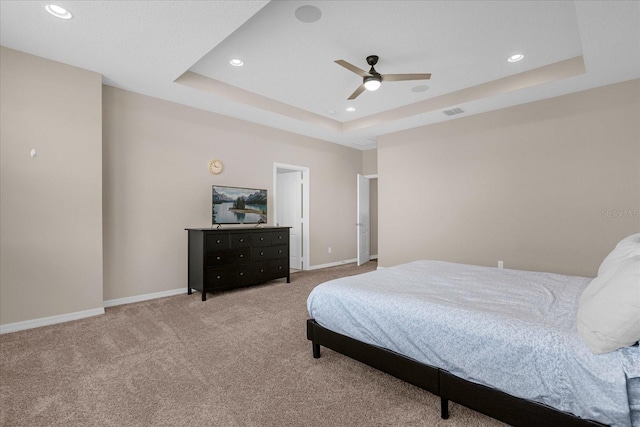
(626, 248)
(609, 310)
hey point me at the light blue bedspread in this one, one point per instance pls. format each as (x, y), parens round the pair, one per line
(508, 329)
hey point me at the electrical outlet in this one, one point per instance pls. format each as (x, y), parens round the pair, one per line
(329, 250)
(500, 264)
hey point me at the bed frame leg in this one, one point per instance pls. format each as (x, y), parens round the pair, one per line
(316, 350)
(444, 408)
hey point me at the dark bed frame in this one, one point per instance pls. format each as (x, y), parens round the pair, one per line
(489, 401)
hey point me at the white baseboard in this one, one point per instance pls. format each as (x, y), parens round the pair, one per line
(144, 297)
(51, 320)
(332, 264)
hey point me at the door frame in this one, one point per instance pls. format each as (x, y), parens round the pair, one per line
(368, 202)
(305, 205)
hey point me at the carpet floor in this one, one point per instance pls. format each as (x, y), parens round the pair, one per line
(241, 358)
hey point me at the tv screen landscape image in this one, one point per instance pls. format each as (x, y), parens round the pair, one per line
(236, 205)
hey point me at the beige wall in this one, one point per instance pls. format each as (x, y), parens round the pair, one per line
(370, 162)
(156, 183)
(546, 186)
(50, 205)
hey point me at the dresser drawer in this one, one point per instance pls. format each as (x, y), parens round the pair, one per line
(240, 240)
(268, 270)
(230, 256)
(280, 237)
(217, 241)
(261, 239)
(269, 253)
(228, 276)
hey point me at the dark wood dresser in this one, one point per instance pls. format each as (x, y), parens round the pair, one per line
(234, 257)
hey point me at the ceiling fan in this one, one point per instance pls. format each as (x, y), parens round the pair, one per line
(372, 80)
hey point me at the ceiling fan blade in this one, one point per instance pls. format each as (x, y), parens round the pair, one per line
(399, 77)
(351, 67)
(357, 92)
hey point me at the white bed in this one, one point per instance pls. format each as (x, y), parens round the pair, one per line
(510, 330)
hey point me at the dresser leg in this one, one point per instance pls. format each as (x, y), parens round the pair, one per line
(188, 290)
(204, 296)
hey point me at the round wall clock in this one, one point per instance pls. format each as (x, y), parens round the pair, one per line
(215, 166)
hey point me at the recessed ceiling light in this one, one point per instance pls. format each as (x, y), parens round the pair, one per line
(236, 62)
(58, 11)
(516, 57)
(351, 109)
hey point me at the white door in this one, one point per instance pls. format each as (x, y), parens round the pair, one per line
(289, 212)
(362, 224)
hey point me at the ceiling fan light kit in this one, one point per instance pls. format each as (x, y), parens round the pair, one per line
(372, 83)
(372, 80)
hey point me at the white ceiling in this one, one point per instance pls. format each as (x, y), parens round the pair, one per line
(180, 51)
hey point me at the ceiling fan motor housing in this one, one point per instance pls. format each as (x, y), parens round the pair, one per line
(373, 81)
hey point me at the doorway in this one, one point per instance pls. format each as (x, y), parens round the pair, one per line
(291, 209)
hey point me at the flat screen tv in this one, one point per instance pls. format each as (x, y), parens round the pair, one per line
(236, 205)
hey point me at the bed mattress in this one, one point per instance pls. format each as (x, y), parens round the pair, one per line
(508, 329)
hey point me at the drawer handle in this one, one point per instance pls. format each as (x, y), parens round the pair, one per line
(261, 253)
(218, 277)
(217, 257)
(280, 268)
(262, 238)
(262, 270)
(280, 251)
(241, 256)
(242, 274)
(218, 241)
(241, 240)
(279, 237)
